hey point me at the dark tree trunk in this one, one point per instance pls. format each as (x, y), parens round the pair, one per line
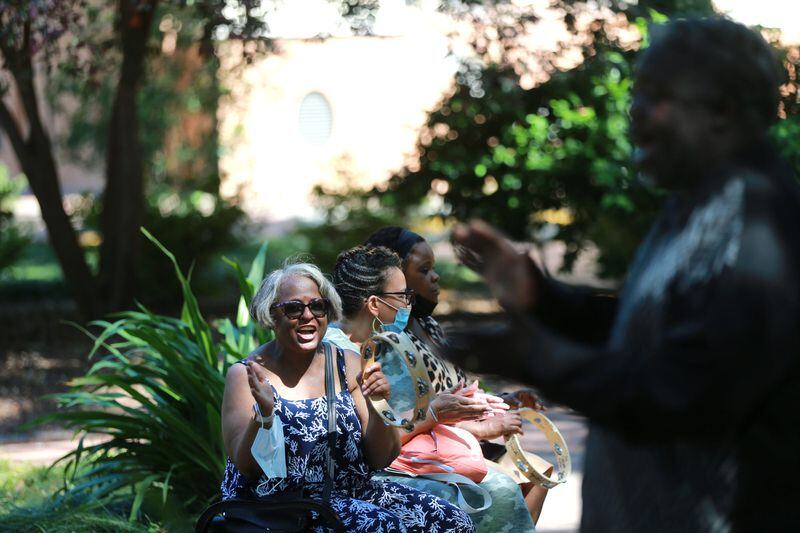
(123, 199)
(35, 155)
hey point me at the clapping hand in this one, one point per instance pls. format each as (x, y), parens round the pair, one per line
(505, 425)
(463, 403)
(459, 405)
(495, 404)
(260, 387)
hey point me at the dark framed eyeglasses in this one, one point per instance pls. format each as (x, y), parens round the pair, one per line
(407, 295)
(294, 309)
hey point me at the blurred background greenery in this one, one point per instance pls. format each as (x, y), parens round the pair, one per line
(532, 139)
(525, 139)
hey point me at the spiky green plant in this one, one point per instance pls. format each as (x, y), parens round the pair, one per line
(155, 391)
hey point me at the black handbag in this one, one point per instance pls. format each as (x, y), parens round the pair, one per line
(285, 512)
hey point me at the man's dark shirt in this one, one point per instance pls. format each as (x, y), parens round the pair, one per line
(691, 379)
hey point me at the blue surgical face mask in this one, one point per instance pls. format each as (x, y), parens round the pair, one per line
(400, 318)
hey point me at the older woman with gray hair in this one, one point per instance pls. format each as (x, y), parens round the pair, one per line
(284, 381)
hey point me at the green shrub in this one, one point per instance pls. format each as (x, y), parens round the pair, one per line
(13, 239)
(456, 276)
(194, 226)
(54, 519)
(155, 390)
(196, 229)
(346, 224)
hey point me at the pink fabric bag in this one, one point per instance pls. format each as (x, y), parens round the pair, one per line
(444, 449)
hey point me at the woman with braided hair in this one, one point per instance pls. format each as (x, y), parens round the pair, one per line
(373, 290)
(418, 263)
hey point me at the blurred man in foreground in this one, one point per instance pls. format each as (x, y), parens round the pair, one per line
(691, 378)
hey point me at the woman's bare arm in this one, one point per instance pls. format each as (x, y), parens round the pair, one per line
(238, 428)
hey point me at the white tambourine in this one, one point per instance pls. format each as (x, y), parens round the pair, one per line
(525, 464)
(386, 344)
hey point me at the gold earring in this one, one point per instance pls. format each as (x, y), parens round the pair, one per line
(375, 329)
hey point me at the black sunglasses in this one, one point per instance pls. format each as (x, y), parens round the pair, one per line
(407, 295)
(294, 309)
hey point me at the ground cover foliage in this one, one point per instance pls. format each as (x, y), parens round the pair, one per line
(154, 391)
(27, 504)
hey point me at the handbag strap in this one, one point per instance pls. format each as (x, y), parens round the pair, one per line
(452, 479)
(330, 395)
(457, 481)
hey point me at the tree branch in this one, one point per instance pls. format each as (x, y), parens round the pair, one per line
(22, 72)
(26, 35)
(11, 128)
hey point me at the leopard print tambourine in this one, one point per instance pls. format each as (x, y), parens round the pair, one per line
(520, 459)
(382, 345)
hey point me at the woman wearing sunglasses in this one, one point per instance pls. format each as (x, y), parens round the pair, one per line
(285, 380)
(373, 290)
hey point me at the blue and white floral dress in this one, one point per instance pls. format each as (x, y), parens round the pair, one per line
(362, 503)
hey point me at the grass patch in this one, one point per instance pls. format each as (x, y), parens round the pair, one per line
(22, 483)
(27, 503)
(37, 263)
(35, 276)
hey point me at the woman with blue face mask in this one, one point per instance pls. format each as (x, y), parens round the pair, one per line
(375, 297)
(419, 267)
(374, 292)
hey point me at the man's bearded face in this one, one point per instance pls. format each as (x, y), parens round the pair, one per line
(674, 120)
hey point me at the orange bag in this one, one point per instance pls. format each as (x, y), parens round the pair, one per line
(445, 449)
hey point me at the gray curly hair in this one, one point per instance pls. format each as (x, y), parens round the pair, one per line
(267, 293)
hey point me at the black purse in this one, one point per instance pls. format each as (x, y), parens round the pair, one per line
(285, 512)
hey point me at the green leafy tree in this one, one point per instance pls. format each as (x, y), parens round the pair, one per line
(787, 131)
(108, 46)
(523, 159)
(53, 29)
(553, 160)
